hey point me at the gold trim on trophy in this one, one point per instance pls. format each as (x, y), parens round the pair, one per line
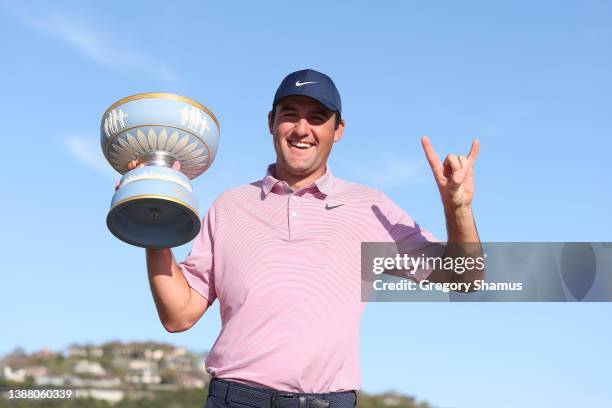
(164, 95)
(160, 197)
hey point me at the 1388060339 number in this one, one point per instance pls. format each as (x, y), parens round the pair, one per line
(39, 394)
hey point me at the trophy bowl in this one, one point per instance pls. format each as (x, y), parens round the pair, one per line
(175, 139)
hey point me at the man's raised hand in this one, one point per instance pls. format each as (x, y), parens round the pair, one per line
(454, 176)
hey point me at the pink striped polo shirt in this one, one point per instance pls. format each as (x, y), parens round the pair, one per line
(285, 266)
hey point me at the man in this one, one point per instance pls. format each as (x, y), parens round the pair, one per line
(282, 255)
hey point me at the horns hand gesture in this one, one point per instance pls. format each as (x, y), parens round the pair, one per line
(454, 176)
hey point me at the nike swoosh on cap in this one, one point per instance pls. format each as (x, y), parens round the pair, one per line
(298, 83)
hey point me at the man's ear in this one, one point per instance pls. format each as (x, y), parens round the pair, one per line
(270, 120)
(339, 131)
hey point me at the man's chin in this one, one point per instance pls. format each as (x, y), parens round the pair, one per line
(300, 170)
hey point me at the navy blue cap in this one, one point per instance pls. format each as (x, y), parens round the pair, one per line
(313, 84)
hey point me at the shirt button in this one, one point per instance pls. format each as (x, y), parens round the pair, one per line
(293, 198)
(293, 213)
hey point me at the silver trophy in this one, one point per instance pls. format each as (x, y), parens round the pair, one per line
(176, 139)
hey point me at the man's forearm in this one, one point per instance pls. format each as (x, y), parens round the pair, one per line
(460, 226)
(463, 241)
(169, 288)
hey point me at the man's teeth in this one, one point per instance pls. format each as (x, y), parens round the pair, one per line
(301, 145)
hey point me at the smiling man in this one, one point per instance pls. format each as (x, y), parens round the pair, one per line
(305, 122)
(304, 132)
(282, 256)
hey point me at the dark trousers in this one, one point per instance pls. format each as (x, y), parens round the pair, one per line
(230, 394)
(214, 402)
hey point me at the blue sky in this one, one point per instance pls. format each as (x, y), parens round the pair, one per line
(530, 80)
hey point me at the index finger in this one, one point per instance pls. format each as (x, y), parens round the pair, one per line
(474, 150)
(430, 153)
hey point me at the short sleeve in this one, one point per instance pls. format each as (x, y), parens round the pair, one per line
(198, 267)
(408, 236)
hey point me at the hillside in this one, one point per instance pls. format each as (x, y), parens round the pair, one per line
(125, 375)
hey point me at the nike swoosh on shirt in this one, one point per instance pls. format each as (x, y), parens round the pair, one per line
(331, 207)
(298, 83)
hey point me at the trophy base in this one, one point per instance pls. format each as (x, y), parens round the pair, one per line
(153, 222)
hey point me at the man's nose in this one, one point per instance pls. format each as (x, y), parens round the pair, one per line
(302, 127)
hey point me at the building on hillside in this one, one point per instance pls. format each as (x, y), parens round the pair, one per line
(154, 354)
(50, 380)
(111, 396)
(14, 375)
(142, 376)
(76, 351)
(142, 365)
(88, 367)
(35, 371)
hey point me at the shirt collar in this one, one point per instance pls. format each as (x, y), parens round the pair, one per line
(323, 183)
